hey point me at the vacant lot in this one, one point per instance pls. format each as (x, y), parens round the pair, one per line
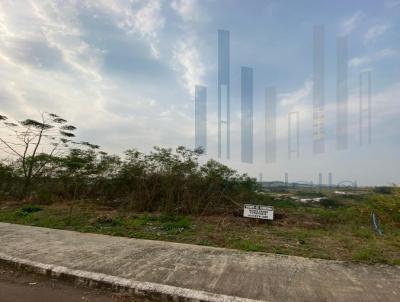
(339, 229)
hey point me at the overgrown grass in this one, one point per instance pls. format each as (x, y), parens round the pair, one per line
(341, 233)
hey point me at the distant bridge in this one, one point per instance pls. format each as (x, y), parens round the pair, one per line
(347, 183)
(303, 183)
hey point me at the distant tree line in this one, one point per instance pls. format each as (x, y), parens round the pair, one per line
(42, 161)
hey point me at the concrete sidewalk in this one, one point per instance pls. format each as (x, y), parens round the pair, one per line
(194, 272)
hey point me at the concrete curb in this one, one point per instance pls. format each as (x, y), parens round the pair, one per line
(97, 280)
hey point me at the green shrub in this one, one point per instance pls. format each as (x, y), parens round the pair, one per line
(384, 190)
(249, 246)
(29, 209)
(163, 180)
(329, 203)
(145, 219)
(107, 221)
(179, 224)
(369, 255)
(283, 203)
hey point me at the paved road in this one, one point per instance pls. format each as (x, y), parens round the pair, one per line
(20, 286)
(212, 270)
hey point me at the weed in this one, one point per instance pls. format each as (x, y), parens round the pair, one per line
(369, 255)
(247, 245)
(145, 220)
(179, 225)
(342, 233)
(28, 209)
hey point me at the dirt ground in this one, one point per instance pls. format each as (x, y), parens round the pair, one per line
(22, 286)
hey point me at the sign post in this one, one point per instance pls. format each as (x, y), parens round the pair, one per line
(258, 211)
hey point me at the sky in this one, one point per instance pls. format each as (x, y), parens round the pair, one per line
(124, 72)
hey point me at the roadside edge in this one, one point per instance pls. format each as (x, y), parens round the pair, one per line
(148, 290)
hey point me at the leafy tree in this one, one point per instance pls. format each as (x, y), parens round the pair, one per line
(384, 190)
(6, 176)
(44, 157)
(34, 143)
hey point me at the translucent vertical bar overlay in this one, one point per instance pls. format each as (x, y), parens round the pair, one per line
(365, 106)
(201, 117)
(293, 126)
(318, 90)
(341, 94)
(270, 124)
(247, 114)
(320, 181)
(223, 82)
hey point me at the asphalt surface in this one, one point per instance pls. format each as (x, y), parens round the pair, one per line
(21, 286)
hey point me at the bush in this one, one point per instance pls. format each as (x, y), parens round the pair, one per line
(384, 190)
(8, 182)
(329, 203)
(178, 224)
(163, 180)
(28, 209)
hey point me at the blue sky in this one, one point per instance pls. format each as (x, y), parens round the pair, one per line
(124, 73)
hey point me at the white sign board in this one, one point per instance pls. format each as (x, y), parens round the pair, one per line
(258, 211)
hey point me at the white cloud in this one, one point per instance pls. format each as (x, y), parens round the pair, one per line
(143, 17)
(295, 97)
(51, 26)
(148, 21)
(187, 60)
(298, 100)
(369, 59)
(189, 64)
(386, 104)
(392, 3)
(60, 27)
(359, 61)
(375, 32)
(107, 111)
(348, 25)
(384, 107)
(186, 9)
